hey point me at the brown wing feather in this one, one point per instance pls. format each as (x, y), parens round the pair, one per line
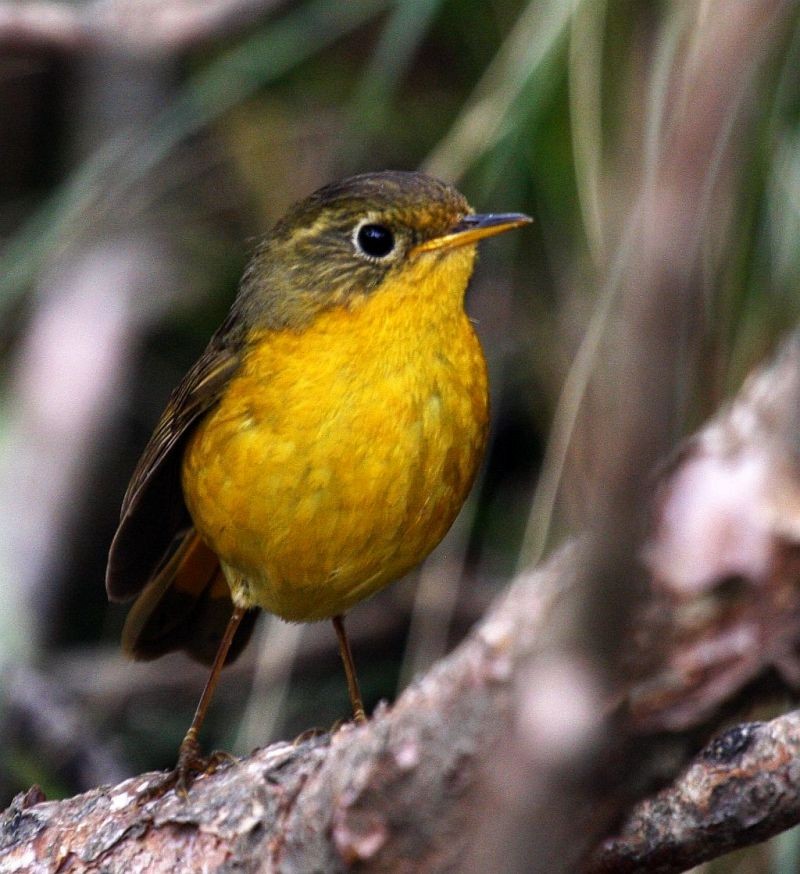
(153, 510)
(185, 605)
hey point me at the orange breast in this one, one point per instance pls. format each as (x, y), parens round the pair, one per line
(339, 456)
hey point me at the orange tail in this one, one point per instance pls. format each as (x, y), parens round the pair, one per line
(186, 605)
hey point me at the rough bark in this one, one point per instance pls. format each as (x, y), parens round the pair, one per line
(391, 794)
(743, 788)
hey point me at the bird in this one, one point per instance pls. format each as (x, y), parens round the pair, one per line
(324, 441)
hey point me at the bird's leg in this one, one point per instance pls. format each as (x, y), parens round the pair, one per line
(189, 756)
(350, 670)
(190, 760)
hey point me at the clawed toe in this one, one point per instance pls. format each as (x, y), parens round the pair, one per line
(308, 734)
(191, 765)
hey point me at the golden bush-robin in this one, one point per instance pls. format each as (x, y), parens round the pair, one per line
(327, 437)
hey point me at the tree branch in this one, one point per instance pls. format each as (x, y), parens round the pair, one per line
(387, 793)
(742, 788)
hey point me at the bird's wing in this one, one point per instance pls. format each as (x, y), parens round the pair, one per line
(153, 510)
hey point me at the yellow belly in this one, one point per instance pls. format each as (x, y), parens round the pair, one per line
(339, 456)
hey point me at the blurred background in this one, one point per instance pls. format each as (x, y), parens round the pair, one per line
(145, 146)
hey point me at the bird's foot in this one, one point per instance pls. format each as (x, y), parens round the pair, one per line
(359, 718)
(191, 765)
(308, 734)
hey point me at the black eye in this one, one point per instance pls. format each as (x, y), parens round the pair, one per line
(377, 241)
